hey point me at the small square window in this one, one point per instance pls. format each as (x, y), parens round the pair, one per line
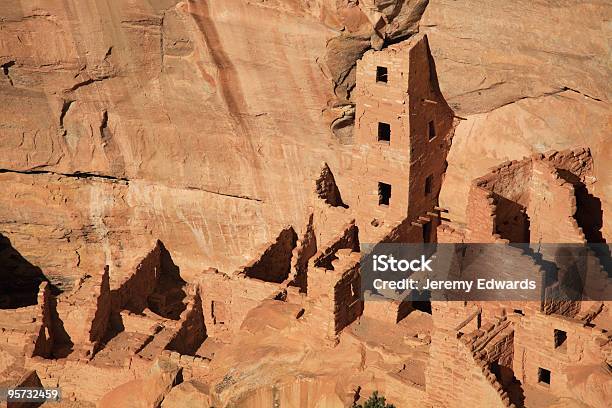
(431, 129)
(560, 339)
(381, 74)
(428, 184)
(384, 193)
(543, 376)
(384, 132)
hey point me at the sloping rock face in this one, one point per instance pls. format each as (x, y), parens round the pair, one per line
(204, 124)
(160, 98)
(529, 77)
(174, 103)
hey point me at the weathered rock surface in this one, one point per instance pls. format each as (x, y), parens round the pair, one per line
(147, 392)
(204, 124)
(187, 395)
(529, 77)
(172, 97)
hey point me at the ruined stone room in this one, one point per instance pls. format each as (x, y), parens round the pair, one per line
(305, 204)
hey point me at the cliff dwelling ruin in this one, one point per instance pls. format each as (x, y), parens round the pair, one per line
(242, 285)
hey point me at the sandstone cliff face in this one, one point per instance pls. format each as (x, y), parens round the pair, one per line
(163, 100)
(229, 105)
(528, 77)
(205, 123)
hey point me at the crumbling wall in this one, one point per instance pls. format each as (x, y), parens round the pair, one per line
(454, 370)
(85, 313)
(227, 300)
(347, 239)
(73, 375)
(507, 193)
(348, 305)
(43, 345)
(305, 249)
(529, 200)
(536, 348)
(133, 292)
(553, 208)
(336, 292)
(481, 216)
(493, 343)
(274, 265)
(385, 310)
(19, 330)
(192, 329)
(578, 162)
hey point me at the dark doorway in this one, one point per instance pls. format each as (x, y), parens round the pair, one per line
(384, 193)
(427, 232)
(560, 339)
(384, 132)
(429, 184)
(431, 130)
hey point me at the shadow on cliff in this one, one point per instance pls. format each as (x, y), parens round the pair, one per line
(590, 217)
(19, 279)
(165, 298)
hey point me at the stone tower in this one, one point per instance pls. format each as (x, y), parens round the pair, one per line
(403, 129)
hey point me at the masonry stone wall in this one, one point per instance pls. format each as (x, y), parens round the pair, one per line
(535, 187)
(454, 371)
(413, 161)
(535, 349)
(305, 249)
(347, 239)
(85, 313)
(274, 264)
(227, 300)
(133, 292)
(192, 329)
(553, 207)
(336, 292)
(427, 154)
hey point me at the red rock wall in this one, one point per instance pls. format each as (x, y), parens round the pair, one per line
(227, 300)
(534, 349)
(274, 264)
(133, 291)
(192, 329)
(427, 156)
(408, 101)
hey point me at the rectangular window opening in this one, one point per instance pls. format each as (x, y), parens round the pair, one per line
(382, 74)
(431, 130)
(560, 339)
(384, 193)
(429, 184)
(384, 132)
(427, 232)
(543, 376)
